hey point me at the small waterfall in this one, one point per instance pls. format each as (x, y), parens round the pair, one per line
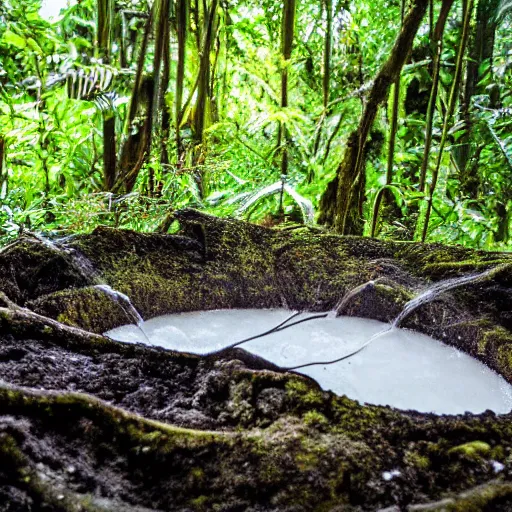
(34, 237)
(126, 305)
(83, 265)
(89, 273)
(349, 296)
(437, 289)
(124, 300)
(428, 295)
(86, 269)
(45, 241)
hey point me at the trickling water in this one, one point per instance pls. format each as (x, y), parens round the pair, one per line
(84, 266)
(46, 242)
(428, 295)
(127, 306)
(404, 369)
(434, 291)
(124, 300)
(87, 270)
(349, 296)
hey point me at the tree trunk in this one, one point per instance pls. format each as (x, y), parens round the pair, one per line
(341, 203)
(166, 113)
(109, 150)
(481, 46)
(203, 89)
(288, 29)
(437, 46)
(160, 80)
(326, 80)
(204, 71)
(182, 9)
(390, 207)
(467, 10)
(104, 36)
(135, 149)
(105, 27)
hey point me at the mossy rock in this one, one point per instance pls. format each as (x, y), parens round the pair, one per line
(129, 427)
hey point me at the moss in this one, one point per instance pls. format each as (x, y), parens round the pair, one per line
(301, 392)
(440, 261)
(315, 419)
(485, 498)
(472, 450)
(240, 401)
(88, 308)
(200, 503)
(140, 431)
(417, 460)
(453, 267)
(499, 340)
(397, 294)
(306, 461)
(319, 450)
(16, 472)
(498, 453)
(197, 474)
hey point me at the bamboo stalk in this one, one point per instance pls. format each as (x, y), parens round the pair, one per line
(391, 143)
(105, 15)
(326, 78)
(287, 33)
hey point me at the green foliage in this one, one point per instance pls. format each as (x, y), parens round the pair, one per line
(56, 92)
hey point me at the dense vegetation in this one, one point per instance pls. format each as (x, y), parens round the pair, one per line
(368, 117)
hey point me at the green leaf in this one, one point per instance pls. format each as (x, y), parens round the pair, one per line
(13, 39)
(32, 44)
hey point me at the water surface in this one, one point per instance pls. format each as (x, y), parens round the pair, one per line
(400, 368)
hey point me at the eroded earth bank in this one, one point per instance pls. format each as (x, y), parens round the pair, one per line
(87, 423)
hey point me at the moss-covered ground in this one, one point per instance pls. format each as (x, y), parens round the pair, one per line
(90, 424)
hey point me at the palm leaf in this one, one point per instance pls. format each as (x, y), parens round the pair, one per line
(305, 205)
(264, 192)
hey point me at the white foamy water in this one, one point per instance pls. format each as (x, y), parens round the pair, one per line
(400, 368)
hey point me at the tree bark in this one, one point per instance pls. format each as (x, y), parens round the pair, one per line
(287, 33)
(437, 46)
(467, 10)
(104, 36)
(481, 46)
(160, 81)
(203, 90)
(109, 150)
(182, 9)
(204, 71)
(136, 146)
